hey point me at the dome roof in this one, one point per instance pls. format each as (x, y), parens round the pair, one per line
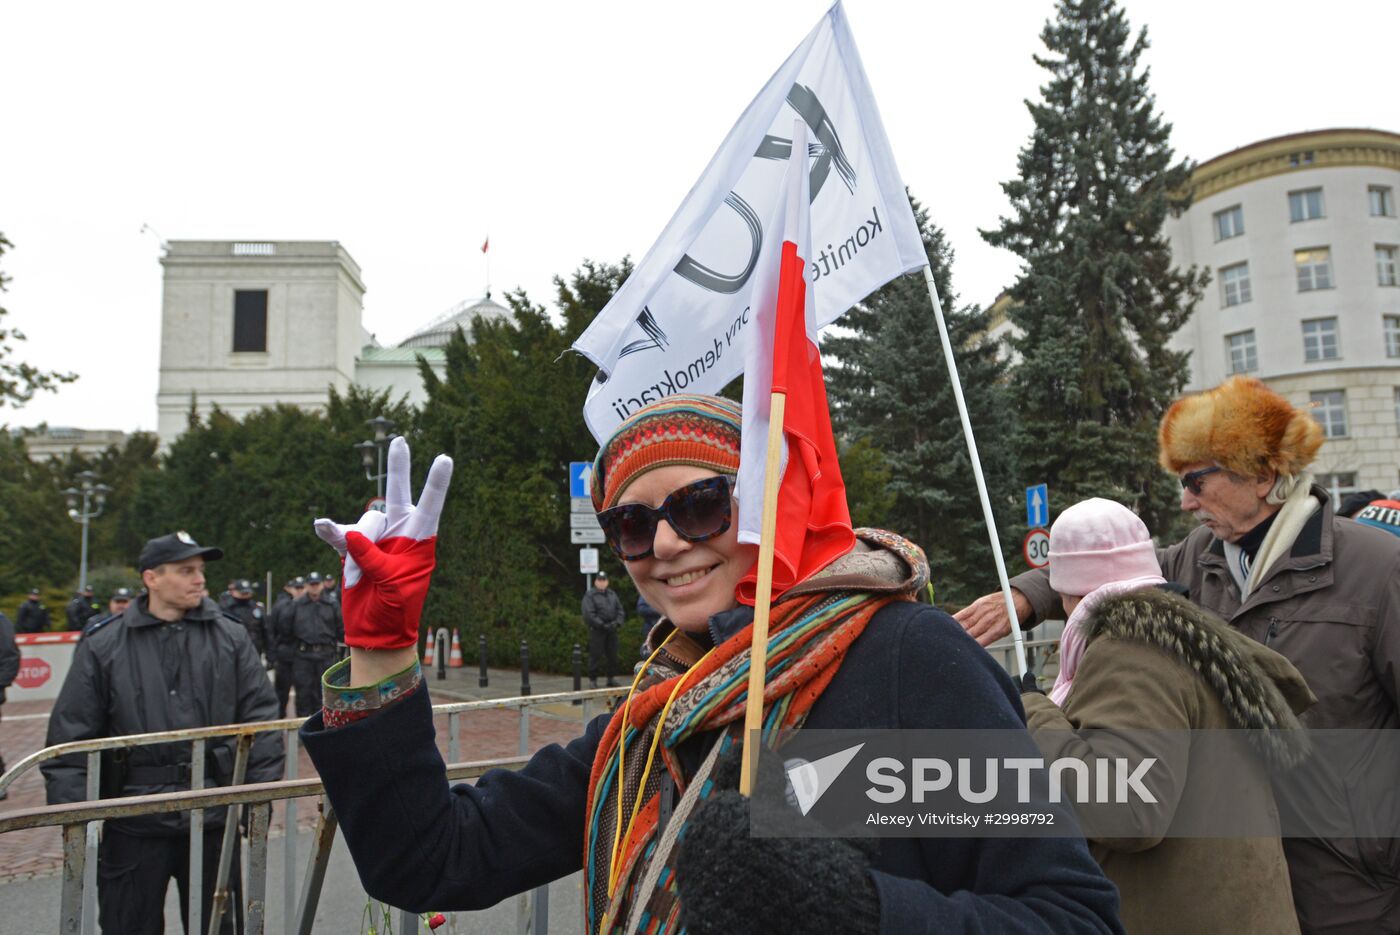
(439, 331)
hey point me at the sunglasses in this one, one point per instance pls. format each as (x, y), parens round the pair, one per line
(1192, 479)
(696, 512)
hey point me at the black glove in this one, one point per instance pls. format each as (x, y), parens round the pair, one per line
(1028, 685)
(808, 884)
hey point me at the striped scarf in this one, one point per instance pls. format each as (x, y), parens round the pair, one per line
(808, 639)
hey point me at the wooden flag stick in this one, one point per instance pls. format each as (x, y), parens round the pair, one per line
(763, 596)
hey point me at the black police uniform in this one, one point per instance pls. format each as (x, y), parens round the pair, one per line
(603, 614)
(251, 614)
(33, 617)
(137, 673)
(318, 631)
(282, 647)
(80, 610)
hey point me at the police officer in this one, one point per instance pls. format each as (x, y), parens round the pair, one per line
(82, 608)
(118, 602)
(330, 588)
(318, 631)
(170, 661)
(248, 611)
(33, 616)
(282, 645)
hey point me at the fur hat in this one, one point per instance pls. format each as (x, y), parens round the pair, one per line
(1241, 425)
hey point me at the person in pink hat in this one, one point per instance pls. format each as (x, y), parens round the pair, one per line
(1138, 663)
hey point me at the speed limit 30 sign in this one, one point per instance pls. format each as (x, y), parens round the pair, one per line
(1036, 548)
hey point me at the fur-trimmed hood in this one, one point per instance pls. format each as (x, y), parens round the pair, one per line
(1260, 690)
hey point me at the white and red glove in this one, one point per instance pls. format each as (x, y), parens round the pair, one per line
(391, 556)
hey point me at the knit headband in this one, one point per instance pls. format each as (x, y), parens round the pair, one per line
(702, 431)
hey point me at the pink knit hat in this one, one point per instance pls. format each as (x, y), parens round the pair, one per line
(1096, 542)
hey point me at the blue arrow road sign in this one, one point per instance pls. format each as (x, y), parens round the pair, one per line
(580, 476)
(1038, 505)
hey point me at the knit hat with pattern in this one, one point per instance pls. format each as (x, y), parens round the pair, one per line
(683, 429)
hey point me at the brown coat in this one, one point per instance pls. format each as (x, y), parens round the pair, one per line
(1155, 662)
(1332, 608)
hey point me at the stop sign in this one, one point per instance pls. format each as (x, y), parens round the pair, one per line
(33, 673)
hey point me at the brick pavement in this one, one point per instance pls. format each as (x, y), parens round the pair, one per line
(482, 735)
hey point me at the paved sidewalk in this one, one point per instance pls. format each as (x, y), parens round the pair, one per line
(482, 735)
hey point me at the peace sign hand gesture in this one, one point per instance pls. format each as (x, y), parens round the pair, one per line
(391, 556)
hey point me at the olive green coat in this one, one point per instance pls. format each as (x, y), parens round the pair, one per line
(1156, 662)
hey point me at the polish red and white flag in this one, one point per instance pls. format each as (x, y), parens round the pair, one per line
(814, 522)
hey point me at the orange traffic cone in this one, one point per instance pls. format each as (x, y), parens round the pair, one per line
(428, 653)
(454, 661)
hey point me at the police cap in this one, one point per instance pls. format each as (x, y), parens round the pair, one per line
(121, 594)
(176, 547)
(242, 586)
(314, 578)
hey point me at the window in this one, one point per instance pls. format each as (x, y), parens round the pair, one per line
(1320, 339)
(1382, 201)
(1392, 335)
(1230, 223)
(1305, 158)
(249, 320)
(1385, 265)
(1314, 268)
(1330, 410)
(1305, 205)
(1234, 284)
(1338, 485)
(1240, 354)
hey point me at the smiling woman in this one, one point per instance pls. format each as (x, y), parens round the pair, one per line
(644, 802)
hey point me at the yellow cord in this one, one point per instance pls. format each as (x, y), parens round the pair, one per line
(618, 835)
(621, 750)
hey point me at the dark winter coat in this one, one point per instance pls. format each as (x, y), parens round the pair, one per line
(9, 655)
(602, 610)
(138, 674)
(315, 622)
(1155, 662)
(420, 845)
(252, 615)
(280, 643)
(1331, 607)
(33, 617)
(80, 610)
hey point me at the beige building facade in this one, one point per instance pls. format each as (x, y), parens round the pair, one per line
(1301, 236)
(248, 324)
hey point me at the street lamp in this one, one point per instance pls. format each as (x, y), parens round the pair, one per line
(372, 451)
(85, 503)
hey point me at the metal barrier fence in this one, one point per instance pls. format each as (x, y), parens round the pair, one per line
(80, 820)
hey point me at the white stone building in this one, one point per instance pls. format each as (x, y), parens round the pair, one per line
(251, 324)
(1302, 239)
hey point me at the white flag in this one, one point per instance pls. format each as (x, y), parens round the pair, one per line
(679, 322)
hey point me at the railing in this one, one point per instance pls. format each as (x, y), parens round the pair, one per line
(79, 820)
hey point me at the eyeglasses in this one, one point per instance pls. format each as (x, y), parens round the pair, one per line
(1192, 479)
(696, 512)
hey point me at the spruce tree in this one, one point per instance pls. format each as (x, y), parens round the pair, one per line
(892, 400)
(1098, 297)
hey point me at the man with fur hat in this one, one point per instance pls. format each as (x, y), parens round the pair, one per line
(1272, 559)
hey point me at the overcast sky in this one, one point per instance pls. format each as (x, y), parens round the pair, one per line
(564, 130)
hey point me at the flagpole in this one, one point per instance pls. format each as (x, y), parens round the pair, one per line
(1016, 635)
(763, 594)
